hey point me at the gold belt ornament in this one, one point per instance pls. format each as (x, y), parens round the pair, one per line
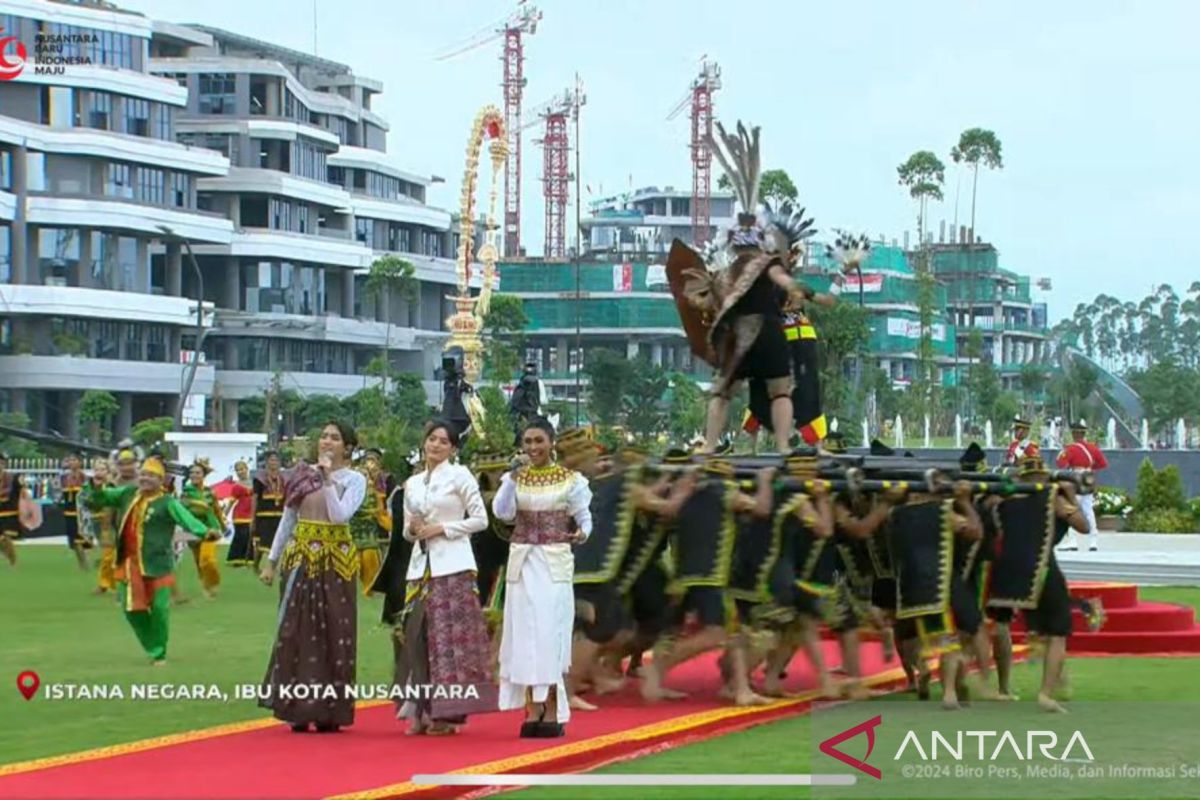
(321, 546)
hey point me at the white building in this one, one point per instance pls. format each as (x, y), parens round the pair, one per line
(270, 163)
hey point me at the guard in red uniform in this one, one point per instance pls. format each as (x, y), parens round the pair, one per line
(1020, 442)
(1082, 454)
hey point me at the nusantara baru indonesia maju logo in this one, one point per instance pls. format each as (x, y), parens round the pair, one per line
(13, 56)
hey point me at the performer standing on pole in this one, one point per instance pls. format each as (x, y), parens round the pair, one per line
(1082, 454)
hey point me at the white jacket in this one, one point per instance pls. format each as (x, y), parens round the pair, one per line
(450, 495)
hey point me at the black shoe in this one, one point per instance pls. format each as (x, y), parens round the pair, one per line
(300, 727)
(529, 729)
(550, 730)
(328, 727)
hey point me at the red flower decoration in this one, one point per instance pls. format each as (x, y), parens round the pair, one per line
(493, 129)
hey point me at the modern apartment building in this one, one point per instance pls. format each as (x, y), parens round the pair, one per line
(645, 221)
(269, 162)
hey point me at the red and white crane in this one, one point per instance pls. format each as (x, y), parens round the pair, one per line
(699, 98)
(556, 171)
(513, 29)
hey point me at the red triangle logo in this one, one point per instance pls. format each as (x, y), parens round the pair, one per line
(829, 746)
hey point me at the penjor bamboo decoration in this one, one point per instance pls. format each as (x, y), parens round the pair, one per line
(467, 323)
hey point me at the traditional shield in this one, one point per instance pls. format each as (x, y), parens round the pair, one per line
(680, 261)
(30, 514)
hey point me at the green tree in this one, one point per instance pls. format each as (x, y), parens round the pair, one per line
(688, 408)
(775, 185)
(390, 276)
(644, 409)
(1033, 382)
(610, 376)
(250, 415)
(984, 386)
(408, 400)
(977, 146)
(844, 330)
(1169, 392)
(15, 446)
(95, 414)
(503, 330)
(923, 174)
(321, 408)
(497, 434)
(151, 433)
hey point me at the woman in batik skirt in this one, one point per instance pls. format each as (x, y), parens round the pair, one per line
(316, 641)
(550, 506)
(241, 549)
(442, 638)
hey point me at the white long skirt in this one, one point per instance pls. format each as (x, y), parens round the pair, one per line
(535, 647)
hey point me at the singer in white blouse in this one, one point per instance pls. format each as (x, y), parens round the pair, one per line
(441, 639)
(550, 505)
(317, 638)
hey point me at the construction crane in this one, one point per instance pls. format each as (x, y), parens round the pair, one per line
(699, 98)
(556, 174)
(512, 29)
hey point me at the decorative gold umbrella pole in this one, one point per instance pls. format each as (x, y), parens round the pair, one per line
(467, 323)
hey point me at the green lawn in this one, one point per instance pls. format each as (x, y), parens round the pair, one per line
(54, 626)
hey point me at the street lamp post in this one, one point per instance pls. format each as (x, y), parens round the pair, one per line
(201, 332)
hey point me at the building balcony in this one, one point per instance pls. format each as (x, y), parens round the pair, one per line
(110, 375)
(101, 78)
(67, 301)
(326, 329)
(288, 246)
(92, 143)
(374, 161)
(400, 210)
(115, 213)
(254, 180)
(259, 127)
(235, 384)
(989, 325)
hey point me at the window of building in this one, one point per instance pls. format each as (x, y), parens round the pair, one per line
(302, 218)
(218, 93)
(137, 116)
(105, 339)
(293, 108)
(181, 190)
(151, 186)
(156, 343)
(6, 170)
(59, 107)
(35, 171)
(58, 256)
(135, 342)
(308, 161)
(99, 110)
(258, 96)
(164, 118)
(337, 176)
(364, 230)
(6, 347)
(280, 214)
(5, 254)
(117, 181)
(403, 241)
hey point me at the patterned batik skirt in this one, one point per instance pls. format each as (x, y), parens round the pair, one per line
(443, 655)
(310, 678)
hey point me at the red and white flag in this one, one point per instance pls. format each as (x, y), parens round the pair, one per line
(623, 277)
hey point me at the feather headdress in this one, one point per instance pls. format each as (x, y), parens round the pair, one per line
(786, 229)
(848, 250)
(740, 159)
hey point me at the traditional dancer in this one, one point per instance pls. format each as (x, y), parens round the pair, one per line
(102, 529)
(702, 539)
(71, 483)
(145, 549)
(241, 549)
(268, 505)
(741, 306)
(442, 638)
(372, 523)
(204, 505)
(1026, 574)
(1082, 454)
(12, 490)
(316, 640)
(543, 499)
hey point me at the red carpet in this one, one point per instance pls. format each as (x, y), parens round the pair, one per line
(263, 759)
(1133, 626)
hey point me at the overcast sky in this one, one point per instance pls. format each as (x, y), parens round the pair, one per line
(1095, 103)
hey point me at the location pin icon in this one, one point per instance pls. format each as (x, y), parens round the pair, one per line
(28, 683)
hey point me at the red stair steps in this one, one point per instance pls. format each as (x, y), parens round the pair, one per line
(1112, 595)
(1143, 618)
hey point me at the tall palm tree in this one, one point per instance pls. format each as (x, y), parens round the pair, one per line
(977, 146)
